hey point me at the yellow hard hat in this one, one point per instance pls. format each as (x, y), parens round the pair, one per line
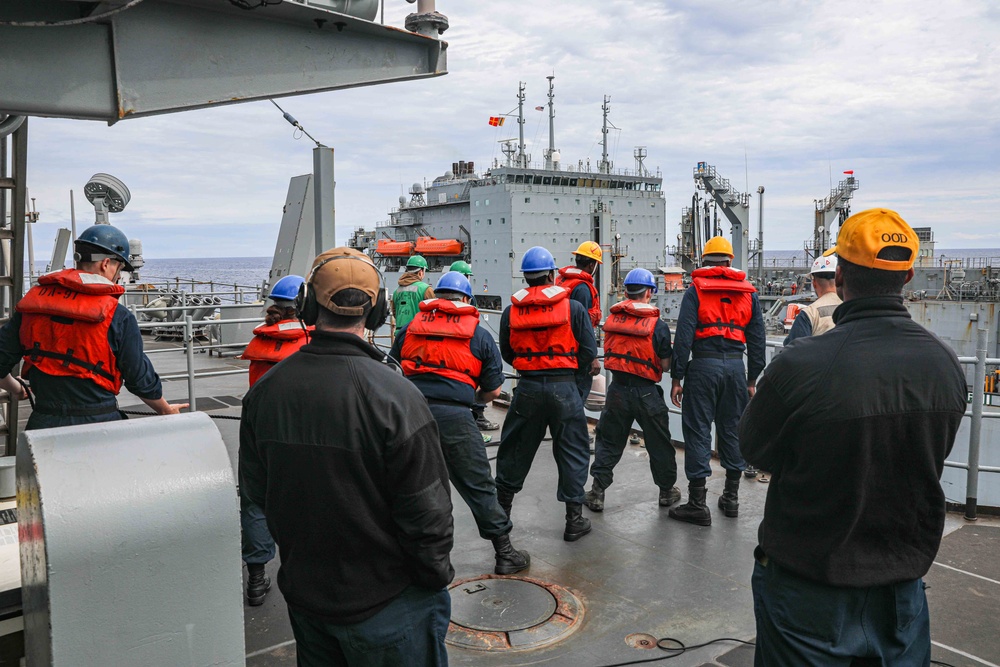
(718, 245)
(590, 249)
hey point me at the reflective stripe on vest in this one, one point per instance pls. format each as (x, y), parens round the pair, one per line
(541, 334)
(272, 343)
(439, 341)
(820, 312)
(569, 277)
(725, 303)
(628, 342)
(64, 327)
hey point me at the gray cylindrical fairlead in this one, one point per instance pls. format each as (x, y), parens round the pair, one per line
(130, 544)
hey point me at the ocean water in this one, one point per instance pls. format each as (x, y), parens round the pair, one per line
(221, 271)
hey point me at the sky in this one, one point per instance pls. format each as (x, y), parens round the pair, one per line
(784, 94)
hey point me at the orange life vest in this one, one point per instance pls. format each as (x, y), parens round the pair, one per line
(540, 331)
(64, 327)
(439, 341)
(272, 343)
(628, 341)
(725, 302)
(569, 277)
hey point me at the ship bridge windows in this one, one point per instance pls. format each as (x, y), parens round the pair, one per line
(537, 180)
(546, 180)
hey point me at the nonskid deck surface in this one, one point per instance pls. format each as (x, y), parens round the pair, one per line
(639, 571)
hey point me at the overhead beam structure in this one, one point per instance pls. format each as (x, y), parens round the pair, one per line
(162, 56)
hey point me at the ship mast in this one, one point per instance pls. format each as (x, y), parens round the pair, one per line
(522, 158)
(552, 155)
(605, 167)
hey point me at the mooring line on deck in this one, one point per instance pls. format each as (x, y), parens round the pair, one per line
(964, 654)
(264, 651)
(971, 574)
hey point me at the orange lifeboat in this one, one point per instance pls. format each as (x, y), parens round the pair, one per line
(428, 245)
(389, 248)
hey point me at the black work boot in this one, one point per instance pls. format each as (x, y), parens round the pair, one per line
(594, 499)
(729, 501)
(669, 496)
(509, 559)
(576, 524)
(694, 510)
(506, 499)
(257, 584)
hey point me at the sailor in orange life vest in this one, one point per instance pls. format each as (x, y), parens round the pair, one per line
(637, 351)
(579, 280)
(719, 318)
(547, 337)
(454, 362)
(79, 344)
(281, 334)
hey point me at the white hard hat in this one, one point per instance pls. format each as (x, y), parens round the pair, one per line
(823, 264)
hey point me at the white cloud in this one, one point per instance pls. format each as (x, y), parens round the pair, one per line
(783, 94)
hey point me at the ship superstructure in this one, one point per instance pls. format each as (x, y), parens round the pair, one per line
(491, 219)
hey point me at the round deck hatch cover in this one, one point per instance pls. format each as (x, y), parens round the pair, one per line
(504, 613)
(502, 605)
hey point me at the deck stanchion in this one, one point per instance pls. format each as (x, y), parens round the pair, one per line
(189, 345)
(975, 428)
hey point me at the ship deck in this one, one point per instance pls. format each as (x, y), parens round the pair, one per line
(638, 571)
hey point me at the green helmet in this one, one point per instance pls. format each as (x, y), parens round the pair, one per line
(462, 267)
(416, 262)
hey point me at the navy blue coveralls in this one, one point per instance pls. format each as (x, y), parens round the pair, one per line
(633, 398)
(450, 402)
(68, 401)
(549, 398)
(715, 386)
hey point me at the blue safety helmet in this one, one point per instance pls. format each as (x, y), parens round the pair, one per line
(537, 260)
(640, 277)
(453, 281)
(287, 288)
(103, 237)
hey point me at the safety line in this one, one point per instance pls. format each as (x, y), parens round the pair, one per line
(977, 576)
(292, 641)
(965, 655)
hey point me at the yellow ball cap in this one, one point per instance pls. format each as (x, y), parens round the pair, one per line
(865, 234)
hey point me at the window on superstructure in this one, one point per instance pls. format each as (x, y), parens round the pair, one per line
(487, 202)
(489, 221)
(630, 203)
(477, 203)
(527, 200)
(556, 200)
(557, 220)
(503, 221)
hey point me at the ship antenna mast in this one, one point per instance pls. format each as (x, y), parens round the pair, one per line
(605, 167)
(522, 158)
(550, 162)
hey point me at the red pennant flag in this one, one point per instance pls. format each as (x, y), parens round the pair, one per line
(539, 108)
(850, 172)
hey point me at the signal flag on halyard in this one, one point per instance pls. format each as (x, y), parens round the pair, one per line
(497, 121)
(849, 172)
(539, 108)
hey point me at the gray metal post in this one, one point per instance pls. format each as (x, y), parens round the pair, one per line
(975, 428)
(323, 197)
(189, 346)
(72, 215)
(760, 235)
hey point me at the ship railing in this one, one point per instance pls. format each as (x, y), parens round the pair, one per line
(159, 286)
(189, 324)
